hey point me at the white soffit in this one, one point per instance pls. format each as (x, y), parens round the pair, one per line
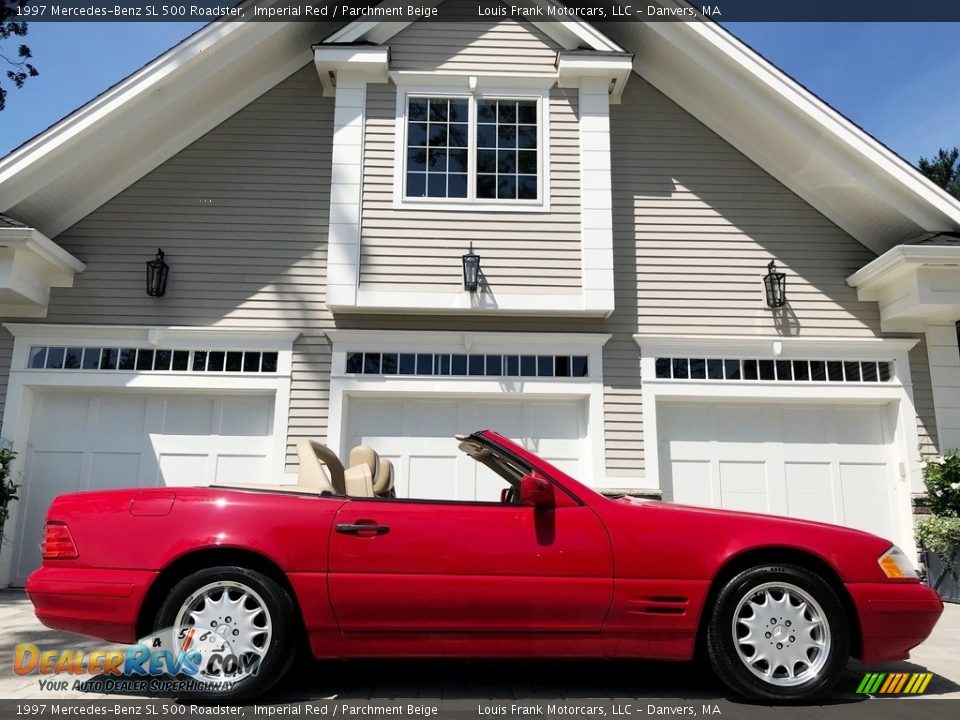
(913, 284)
(69, 170)
(846, 174)
(31, 264)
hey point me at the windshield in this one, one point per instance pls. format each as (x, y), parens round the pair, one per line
(504, 466)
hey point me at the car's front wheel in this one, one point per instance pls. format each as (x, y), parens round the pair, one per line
(778, 633)
(238, 622)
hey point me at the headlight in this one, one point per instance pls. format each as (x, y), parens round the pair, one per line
(895, 564)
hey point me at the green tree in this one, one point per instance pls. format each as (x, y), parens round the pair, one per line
(944, 170)
(17, 64)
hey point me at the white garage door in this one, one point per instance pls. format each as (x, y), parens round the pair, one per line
(417, 435)
(829, 463)
(116, 439)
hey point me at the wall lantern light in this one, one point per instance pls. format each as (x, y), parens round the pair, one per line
(157, 271)
(471, 271)
(775, 284)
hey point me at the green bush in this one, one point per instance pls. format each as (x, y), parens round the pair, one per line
(942, 478)
(8, 488)
(938, 533)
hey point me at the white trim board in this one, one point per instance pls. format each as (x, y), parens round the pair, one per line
(775, 346)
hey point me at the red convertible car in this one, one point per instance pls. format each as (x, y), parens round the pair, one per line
(552, 570)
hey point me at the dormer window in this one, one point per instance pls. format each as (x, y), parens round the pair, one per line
(461, 150)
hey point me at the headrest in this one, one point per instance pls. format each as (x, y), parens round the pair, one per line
(363, 455)
(383, 480)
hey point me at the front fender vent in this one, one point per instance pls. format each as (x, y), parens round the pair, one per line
(658, 605)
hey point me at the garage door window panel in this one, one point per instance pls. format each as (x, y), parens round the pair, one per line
(467, 365)
(846, 371)
(150, 360)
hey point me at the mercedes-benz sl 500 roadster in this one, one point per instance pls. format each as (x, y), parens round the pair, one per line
(339, 566)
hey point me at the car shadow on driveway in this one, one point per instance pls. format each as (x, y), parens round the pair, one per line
(560, 679)
(468, 679)
(511, 679)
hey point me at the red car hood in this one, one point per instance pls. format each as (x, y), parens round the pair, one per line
(742, 516)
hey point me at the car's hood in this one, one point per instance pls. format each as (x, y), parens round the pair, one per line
(742, 516)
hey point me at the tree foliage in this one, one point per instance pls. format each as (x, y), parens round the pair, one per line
(944, 170)
(8, 488)
(16, 62)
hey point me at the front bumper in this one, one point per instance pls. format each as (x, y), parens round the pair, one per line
(894, 618)
(100, 603)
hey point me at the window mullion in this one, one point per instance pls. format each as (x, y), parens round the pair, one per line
(472, 151)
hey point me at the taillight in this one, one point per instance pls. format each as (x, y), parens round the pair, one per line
(57, 543)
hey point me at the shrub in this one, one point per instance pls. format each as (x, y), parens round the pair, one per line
(8, 488)
(942, 478)
(938, 533)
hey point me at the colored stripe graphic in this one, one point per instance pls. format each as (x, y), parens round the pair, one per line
(903, 681)
(862, 687)
(891, 680)
(894, 683)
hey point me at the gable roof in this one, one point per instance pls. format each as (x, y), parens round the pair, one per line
(64, 173)
(78, 164)
(836, 166)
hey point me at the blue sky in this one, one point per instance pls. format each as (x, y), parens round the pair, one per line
(897, 80)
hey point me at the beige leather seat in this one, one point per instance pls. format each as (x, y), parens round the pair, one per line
(361, 472)
(381, 471)
(320, 468)
(383, 480)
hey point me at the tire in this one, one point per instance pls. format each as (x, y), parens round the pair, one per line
(270, 633)
(752, 635)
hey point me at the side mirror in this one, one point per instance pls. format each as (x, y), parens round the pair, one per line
(537, 491)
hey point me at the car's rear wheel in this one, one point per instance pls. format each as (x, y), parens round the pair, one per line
(778, 633)
(246, 620)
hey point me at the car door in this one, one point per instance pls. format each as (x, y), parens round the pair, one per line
(420, 565)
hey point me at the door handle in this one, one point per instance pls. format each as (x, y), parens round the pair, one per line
(362, 528)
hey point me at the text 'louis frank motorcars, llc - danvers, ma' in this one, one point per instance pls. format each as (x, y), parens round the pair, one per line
(553, 569)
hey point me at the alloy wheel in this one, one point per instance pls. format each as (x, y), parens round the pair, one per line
(781, 634)
(235, 612)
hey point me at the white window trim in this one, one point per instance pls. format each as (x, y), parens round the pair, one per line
(25, 382)
(898, 391)
(470, 203)
(345, 386)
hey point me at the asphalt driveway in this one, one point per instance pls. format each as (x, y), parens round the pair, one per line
(364, 680)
